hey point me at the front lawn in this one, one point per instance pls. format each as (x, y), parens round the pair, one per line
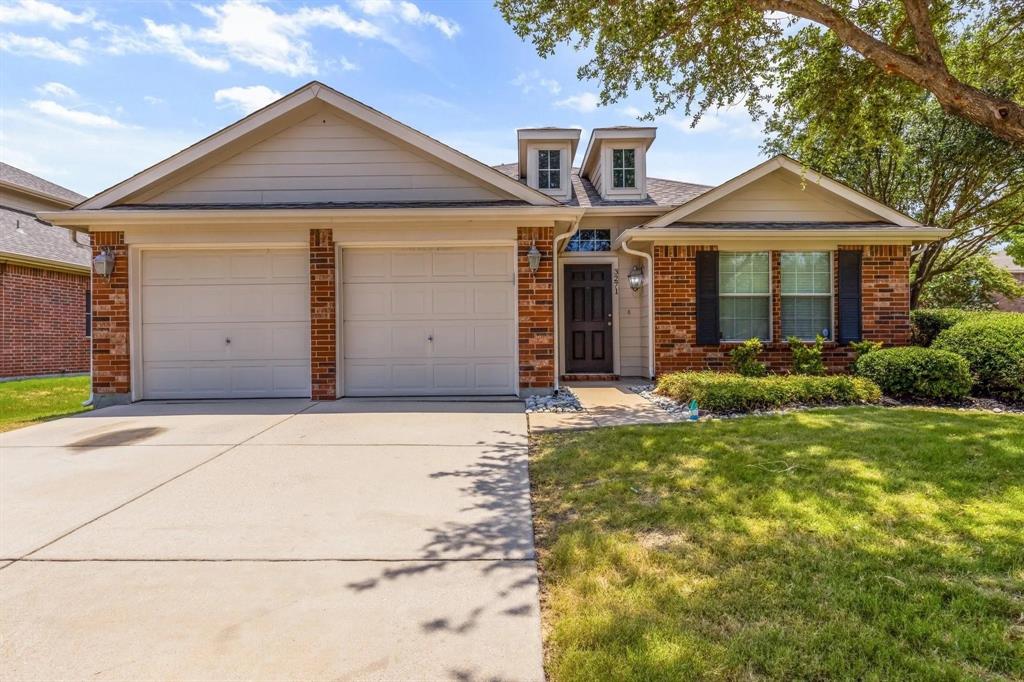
(852, 543)
(29, 401)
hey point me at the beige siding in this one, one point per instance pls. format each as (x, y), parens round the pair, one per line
(632, 322)
(26, 202)
(779, 196)
(325, 158)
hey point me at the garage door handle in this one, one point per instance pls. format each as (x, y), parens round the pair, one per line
(430, 338)
(228, 341)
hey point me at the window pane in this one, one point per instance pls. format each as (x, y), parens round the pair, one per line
(616, 158)
(630, 178)
(806, 316)
(554, 159)
(743, 273)
(744, 317)
(543, 159)
(590, 240)
(629, 158)
(555, 181)
(806, 273)
(617, 177)
(542, 179)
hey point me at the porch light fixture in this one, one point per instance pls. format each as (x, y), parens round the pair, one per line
(103, 263)
(533, 258)
(636, 278)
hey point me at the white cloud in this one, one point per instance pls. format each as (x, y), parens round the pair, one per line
(732, 120)
(409, 13)
(44, 48)
(82, 118)
(154, 101)
(83, 158)
(171, 39)
(527, 82)
(584, 103)
(38, 12)
(256, 34)
(632, 111)
(58, 90)
(246, 99)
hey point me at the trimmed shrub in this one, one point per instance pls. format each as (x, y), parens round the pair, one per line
(922, 373)
(993, 345)
(861, 348)
(927, 323)
(807, 359)
(744, 358)
(719, 392)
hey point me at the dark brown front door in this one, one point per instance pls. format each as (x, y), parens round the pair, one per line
(588, 319)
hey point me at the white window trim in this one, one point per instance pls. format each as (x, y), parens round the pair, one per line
(636, 184)
(533, 166)
(549, 169)
(831, 295)
(607, 179)
(770, 296)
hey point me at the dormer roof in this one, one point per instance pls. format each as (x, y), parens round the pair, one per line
(546, 134)
(598, 135)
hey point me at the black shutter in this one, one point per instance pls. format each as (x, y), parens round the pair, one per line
(849, 296)
(707, 297)
(88, 313)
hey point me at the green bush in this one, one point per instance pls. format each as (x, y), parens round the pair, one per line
(927, 323)
(912, 372)
(993, 345)
(861, 348)
(744, 358)
(719, 392)
(807, 359)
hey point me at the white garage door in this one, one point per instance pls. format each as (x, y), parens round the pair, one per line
(429, 321)
(225, 323)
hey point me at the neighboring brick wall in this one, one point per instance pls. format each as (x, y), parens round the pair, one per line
(323, 309)
(111, 372)
(42, 321)
(885, 310)
(536, 310)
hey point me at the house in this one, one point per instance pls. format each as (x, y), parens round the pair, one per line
(44, 280)
(1003, 260)
(320, 248)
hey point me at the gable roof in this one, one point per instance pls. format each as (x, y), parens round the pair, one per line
(27, 240)
(783, 162)
(311, 93)
(23, 181)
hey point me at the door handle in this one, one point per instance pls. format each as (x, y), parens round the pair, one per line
(227, 341)
(430, 338)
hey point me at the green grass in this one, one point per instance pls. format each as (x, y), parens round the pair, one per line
(29, 401)
(841, 544)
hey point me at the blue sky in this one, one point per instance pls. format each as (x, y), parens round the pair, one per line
(92, 92)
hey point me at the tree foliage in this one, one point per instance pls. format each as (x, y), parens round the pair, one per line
(708, 53)
(970, 286)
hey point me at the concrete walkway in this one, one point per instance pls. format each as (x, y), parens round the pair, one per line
(611, 403)
(270, 540)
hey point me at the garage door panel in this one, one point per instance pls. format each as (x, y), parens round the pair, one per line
(400, 301)
(429, 321)
(223, 324)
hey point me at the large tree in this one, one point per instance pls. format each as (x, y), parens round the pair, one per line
(707, 53)
(886, 138)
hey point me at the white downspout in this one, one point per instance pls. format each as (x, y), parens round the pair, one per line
(555, 248)
(649, 270)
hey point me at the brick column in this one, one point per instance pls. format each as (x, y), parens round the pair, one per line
(775, 258)
(323, 323)
(885, 295)
(536, 311)
(675, 309)
(111, 371)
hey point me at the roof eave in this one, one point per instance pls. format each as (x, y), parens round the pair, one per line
(43, 263)
(669, 234)
(39, 194)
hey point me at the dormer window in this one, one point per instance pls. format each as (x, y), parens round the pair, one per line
(549, 169)
(623, 168)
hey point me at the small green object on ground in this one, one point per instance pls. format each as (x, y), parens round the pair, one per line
(723, 392)
(833, 544)
(28, 401)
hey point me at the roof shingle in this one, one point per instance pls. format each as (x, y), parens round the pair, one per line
(34, 183)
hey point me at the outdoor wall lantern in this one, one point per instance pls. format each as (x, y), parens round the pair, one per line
(103, 263)
(533, 258)
(636, 278)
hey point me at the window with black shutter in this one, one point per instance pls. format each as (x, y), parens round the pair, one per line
(707, 297)
(849, 296)
(88, 313)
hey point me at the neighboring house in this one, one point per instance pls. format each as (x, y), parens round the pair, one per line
(44, 280)
(320, 248)
(1002, 303)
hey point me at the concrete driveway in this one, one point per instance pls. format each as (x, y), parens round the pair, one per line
(280, 539)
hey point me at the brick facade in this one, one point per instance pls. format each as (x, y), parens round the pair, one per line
(323, 309)
(885, 310)
(536, 310)
(42, 321)
(111, 374)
